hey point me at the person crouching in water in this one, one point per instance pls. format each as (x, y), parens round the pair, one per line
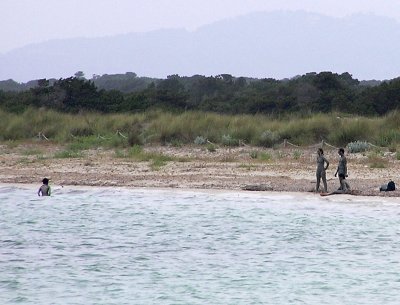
(45, 189)
(342, 171)
(321, 170)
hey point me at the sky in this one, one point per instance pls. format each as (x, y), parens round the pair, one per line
(24, 22)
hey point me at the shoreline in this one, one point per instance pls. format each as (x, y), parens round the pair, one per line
(192, 167)
(69, 189)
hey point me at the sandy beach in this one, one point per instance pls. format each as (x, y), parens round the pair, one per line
(194, 167)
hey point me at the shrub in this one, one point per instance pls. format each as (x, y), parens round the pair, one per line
(358, 146)
(158, 160)
(134, 139)
(254, 154)
(136, 152)
(135, 136)
(296, 155)
(176, 143)
(227, 140)
(211, 147)
(200, 140)
(120, 154)
(116, 141)
(156, 164)
(265, 156)
(269, 138)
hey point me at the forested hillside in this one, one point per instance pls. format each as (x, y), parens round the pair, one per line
(224, 93)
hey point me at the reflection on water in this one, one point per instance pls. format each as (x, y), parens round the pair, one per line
(119, 246)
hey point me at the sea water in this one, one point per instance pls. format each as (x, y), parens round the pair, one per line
(144, 246)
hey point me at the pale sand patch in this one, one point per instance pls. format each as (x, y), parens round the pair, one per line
(194, 167)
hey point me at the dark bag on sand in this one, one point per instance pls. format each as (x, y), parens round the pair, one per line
(391, 186)
(388, 187)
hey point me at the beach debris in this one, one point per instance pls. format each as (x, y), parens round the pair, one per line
(257, 187)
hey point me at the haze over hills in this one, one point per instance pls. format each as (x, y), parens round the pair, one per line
(275, 44)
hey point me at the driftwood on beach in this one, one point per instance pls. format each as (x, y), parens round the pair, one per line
(257, 187)
(339, 192)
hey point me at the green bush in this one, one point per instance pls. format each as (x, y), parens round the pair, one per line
(228, 140)
(211, 147)
(265, 156)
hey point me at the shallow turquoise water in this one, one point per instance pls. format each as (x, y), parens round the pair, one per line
(105, 246)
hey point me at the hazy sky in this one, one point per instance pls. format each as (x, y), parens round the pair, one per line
(29, 21)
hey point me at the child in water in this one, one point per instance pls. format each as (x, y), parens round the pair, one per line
(45, 189)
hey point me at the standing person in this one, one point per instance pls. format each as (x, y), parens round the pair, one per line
(321, 169)
(45, 189)
(342, 171)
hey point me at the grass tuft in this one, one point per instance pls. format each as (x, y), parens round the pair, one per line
(67, 154)
(377, 161)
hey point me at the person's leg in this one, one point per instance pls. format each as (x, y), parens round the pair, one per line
(324, 181)
(344, 185)
(318, 181)
(347, 185)
(340, 183)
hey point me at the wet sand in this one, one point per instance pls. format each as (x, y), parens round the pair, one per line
(194, 167)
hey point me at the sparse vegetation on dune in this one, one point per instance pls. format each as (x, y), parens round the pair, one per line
(87, 130)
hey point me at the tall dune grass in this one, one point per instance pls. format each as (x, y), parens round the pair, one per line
(93, 129)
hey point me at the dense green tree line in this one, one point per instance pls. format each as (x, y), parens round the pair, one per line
(309, 93)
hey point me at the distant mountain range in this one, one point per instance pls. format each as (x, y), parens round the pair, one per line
(269, 44)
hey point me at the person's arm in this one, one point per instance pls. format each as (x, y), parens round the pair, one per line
(327, 163)
(337, 170)
(345, 167)
(39, 191)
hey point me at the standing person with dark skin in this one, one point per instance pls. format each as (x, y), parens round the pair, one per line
(321, 170)
(45, 189)
(342, 171)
